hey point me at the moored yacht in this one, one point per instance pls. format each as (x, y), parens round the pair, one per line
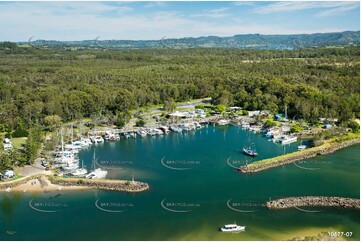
(287, 139)
(80, 172)
(126, 135)
(165, 129)
(176, 129)
(97, 174)
(142, 133)
(222, 122)
(301, 147)
(158, 131)
(70, 167)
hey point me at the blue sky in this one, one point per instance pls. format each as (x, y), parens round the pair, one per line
(155, 20)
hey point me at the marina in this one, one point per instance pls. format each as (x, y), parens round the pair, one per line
(207, 150)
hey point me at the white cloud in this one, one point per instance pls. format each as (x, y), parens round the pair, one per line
(331, 7)
(77, 21)
(338, 11)
(243, 3)
(213, 13)
(156, 5)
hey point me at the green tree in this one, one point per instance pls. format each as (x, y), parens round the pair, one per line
(33, 144)
(52, 121)
(295, 128)
(170, 105)
(140, 123)
(269, 123)
(123, 118)
(221, 108)
(354, 126)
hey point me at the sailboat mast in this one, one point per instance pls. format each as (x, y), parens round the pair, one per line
(62, 142)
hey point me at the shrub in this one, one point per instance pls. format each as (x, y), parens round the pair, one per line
(354, 126)
(316, 142)
(269, 123)
(20, 132)
(140, 123)
(295, 128)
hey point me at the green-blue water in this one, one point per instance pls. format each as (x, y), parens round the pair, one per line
(199, 193)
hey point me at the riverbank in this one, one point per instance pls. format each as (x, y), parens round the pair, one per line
(314, 201)
(326, 148)
(42, 183)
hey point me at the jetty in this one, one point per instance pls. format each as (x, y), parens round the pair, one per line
(314, 201)
(323, 149)
(101, 184)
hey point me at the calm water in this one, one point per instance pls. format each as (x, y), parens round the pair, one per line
(191, 183)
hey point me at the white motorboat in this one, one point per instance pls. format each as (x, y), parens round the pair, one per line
(151, 132)
(198, 125)
(233, 228)
(142, 133)
(222, 122)
(98, 139)
(176, 129)
(187, 127)
(301, 147)
(70, 167)
(287, 139)
(158, 131)
(97, 174)
(249, 151)
(245, 125)
(165, 129)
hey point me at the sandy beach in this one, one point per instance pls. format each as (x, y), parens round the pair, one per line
(36, 186)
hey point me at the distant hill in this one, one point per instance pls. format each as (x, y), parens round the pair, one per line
(243, 41)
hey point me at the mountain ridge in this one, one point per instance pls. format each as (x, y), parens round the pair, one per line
(242, 41)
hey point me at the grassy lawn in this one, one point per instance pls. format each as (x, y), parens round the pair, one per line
(16, 177)
(18, 142)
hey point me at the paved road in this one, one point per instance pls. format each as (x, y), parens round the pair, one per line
(34, 169)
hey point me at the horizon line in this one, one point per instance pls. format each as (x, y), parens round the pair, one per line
(164, 37)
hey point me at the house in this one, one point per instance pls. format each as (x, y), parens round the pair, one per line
(254, 113)
(179, 114)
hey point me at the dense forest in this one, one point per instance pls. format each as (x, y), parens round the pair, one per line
(38, 84)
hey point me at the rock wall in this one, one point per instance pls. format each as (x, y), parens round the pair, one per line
(314, 201)
(110, 185)
(297, 157)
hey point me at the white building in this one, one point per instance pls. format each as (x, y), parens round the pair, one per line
(7, 144)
